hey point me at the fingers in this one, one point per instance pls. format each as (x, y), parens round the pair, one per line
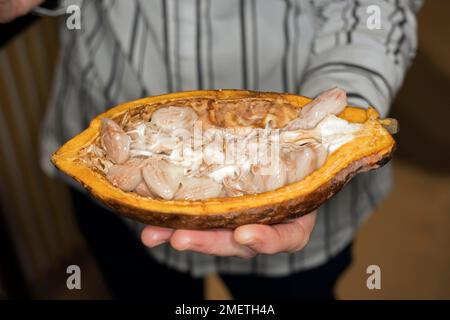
(11, 9)
(153, 236)
(245, 241)
(287, 237)
(216, 242)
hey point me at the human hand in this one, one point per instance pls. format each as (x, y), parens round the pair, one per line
(11, 9)
(245, 241)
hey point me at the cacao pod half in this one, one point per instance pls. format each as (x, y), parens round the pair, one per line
(370, 149)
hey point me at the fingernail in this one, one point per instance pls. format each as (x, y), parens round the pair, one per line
(182, 243)
(157, 243)
(248, 240)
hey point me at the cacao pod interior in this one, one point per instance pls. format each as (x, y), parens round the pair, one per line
(364, 152)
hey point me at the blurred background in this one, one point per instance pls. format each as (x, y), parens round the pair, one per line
(408, 236)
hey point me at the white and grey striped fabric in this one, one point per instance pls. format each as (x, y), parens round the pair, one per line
(130, 49)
